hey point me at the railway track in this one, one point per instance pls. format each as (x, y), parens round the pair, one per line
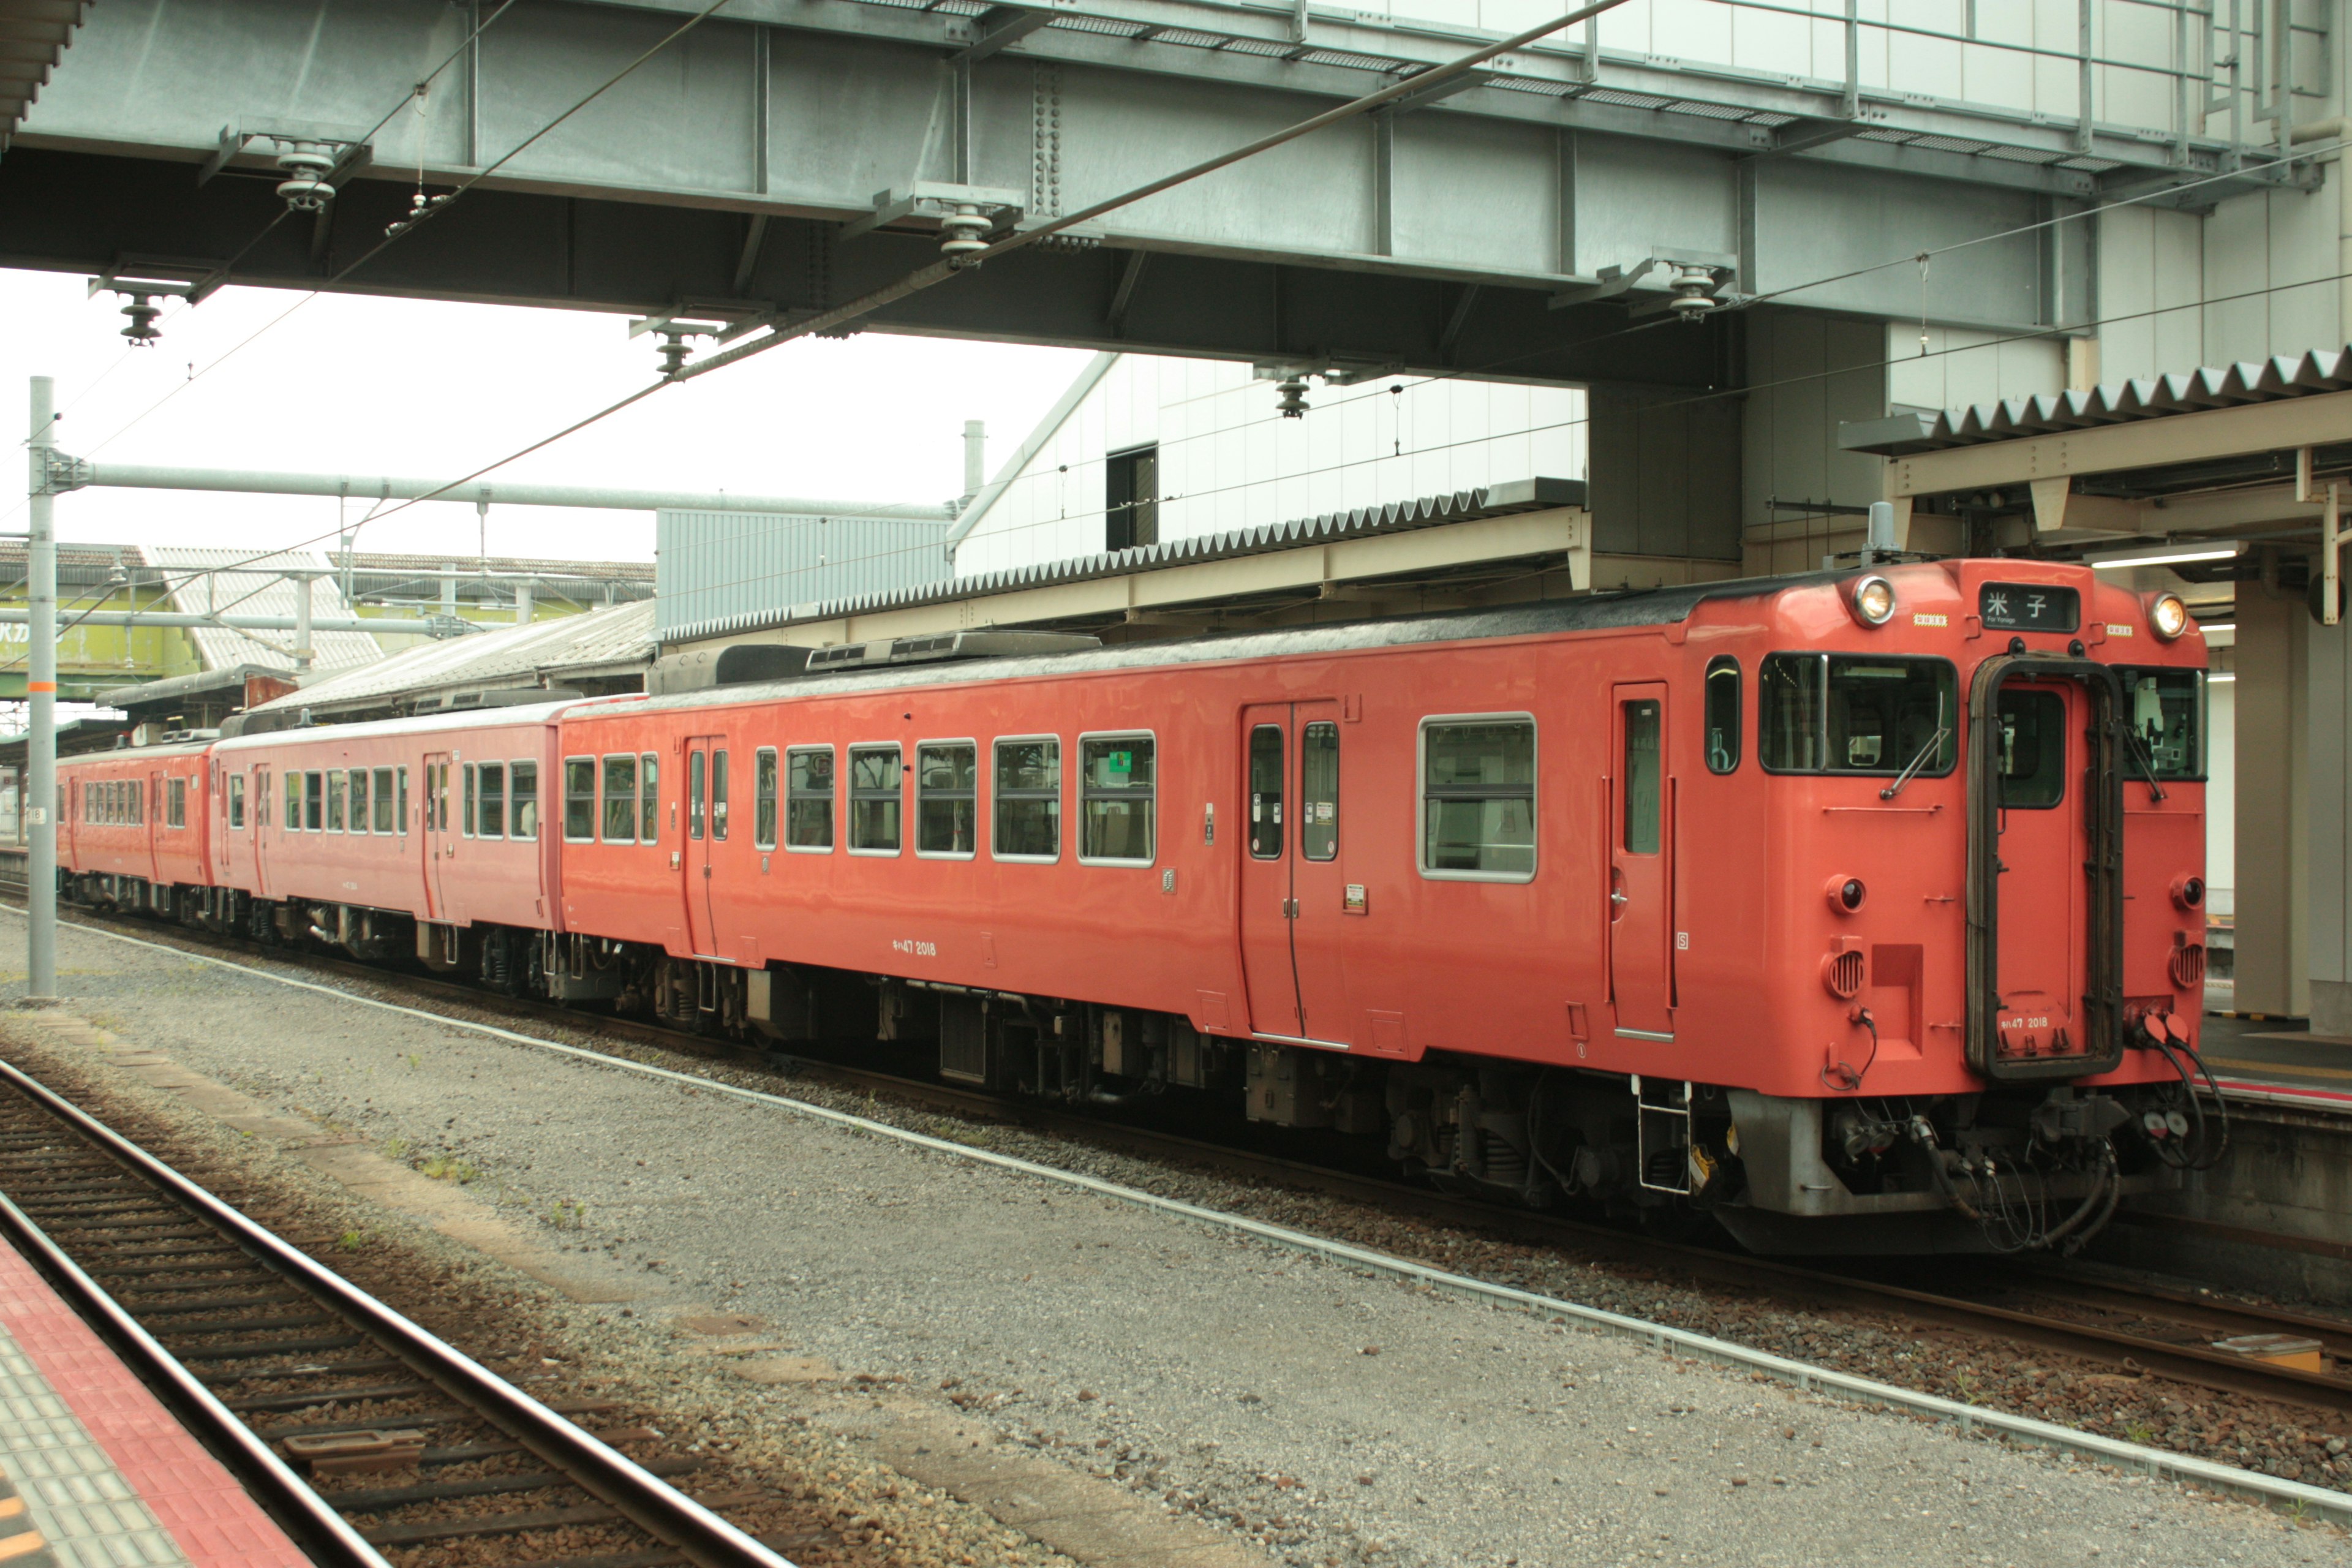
(2140, 1329)
(282, 1367)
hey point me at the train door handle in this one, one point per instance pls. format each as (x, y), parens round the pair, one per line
(1617, 896)
(706, 873)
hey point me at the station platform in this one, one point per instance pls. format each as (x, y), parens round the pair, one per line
(2279, 1062)
(94, 1471)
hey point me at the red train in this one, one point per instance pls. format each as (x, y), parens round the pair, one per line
(1862, 910)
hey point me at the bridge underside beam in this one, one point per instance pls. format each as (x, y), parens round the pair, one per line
(76, 212)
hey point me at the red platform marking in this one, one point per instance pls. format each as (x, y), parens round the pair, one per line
(216, 1523)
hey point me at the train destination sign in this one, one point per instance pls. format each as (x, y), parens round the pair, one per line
(2028, 607)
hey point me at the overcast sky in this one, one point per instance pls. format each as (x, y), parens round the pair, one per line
(348, 385)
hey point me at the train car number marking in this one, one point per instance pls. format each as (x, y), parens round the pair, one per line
(1925, 619)
(916, 949)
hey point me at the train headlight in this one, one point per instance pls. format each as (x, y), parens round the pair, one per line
(1874, 601)
(2168, 616)
(1846, 895)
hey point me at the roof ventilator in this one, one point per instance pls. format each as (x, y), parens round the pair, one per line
(946, 645)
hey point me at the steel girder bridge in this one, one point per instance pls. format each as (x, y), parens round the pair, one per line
(786, 156)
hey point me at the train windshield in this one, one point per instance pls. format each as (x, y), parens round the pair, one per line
(1846, 713)
(2165, 710)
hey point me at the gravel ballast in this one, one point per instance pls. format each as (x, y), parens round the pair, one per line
(1310, 1411)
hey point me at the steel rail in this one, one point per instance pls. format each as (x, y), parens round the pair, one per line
(324, 1534)
(668, 1514)
(2184, 1363)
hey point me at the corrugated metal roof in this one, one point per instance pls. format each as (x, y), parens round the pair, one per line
(429, 565)
(2218, 386)
(257, 590)
(1430, 511)
(510, 656)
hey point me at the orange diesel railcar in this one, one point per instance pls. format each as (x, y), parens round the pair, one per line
(1862, 911)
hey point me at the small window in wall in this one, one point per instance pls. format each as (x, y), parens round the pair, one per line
(492, 823)
(808, 797)
(1644, 777)
(947, 798)
(718, 795)
(1028, 809)
(620, 799)
(1131, 498)
(1265, 793)
(1319, 792)
(236, 800)
(358, 800)
(1722, 714)
(523, 810)
(466, 816)
(384, 800)
(175, 803)
(579, 799)
(1479, 798)
(314, 802)
(1116, 791)
(763, 798)
(649, 798)
(877, 795)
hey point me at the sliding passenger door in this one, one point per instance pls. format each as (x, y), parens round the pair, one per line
(433, 832)
(1294, 891)
(1641, 865)
(706, 789)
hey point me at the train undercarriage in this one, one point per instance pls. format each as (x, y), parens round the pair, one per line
(2015, 1169)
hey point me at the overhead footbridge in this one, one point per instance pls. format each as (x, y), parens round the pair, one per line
(1523, 220)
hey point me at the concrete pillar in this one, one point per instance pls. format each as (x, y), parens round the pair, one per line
(2331, 828)
(2273, 788)
(975, 457)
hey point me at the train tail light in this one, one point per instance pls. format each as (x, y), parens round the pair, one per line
(2168, 616)
(1846, 895)
(1874, 601)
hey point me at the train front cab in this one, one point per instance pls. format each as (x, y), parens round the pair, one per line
(2008, 926)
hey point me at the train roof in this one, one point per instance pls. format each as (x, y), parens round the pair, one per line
(136, 753)
(1595, 612)
(462, 720)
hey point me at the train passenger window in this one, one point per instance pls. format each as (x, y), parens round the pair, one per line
(436, 796)
(763, 798)
(2168, 717)
(176, 806)
(620, 799)
(1644, 783)
(492, 823)
(1028, 809)
(947, 798)
(384, 800)
(401, 786)
(579, 799)
(358, 800)
(1319, 792)
(314, 802)
(1722, 714)
(649, 798)
(465, 812)
(718, 795)
(335, 789)
(808, 797)
(522, 789)
(1266, 792)
(1117, 793)
(2033, 741)
(236, 800)
(877, 795)
(696, 766)
(293, 802)
(1479, 798)
(1844, 713)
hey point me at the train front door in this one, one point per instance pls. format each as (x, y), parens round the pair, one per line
(705, 827)
(1294, 883)
(1641, 865)
(2042, 845)
(433, 832)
